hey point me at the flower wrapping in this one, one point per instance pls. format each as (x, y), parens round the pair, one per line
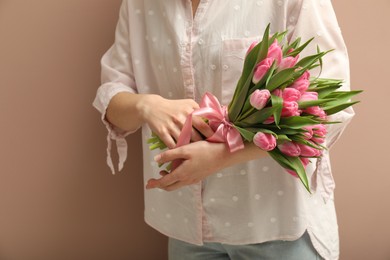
(276, 105)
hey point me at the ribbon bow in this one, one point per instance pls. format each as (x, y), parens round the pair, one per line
(224, 130)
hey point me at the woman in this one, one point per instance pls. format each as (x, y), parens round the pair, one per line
(217, 204)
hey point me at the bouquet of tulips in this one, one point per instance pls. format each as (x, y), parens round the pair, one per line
(276, 105)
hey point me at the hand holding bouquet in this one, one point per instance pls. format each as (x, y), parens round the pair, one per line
(276, 105)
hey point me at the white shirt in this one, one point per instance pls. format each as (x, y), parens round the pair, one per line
(159, 48)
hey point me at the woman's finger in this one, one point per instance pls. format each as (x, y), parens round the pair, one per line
(171, 155)
(196, 136)
(199, 124)
(162, 182)
(167, 138)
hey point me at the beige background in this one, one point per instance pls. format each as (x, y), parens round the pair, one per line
(58, 199)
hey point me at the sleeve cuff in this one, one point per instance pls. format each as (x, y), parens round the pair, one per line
(105, 94)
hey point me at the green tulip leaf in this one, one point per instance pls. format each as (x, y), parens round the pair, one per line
(341, 97)
(297, 122)
(247, 135)
(280, 78)
(291, 163)
(262, 130)
(298, 50)
(338, 108)
(292, 45)
(277, 103)
(324, 91)
(256, 118)
(318, 102)
(283, 138)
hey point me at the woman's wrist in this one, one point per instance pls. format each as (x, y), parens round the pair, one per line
(144, 104)
(250, 152)
(123, 111)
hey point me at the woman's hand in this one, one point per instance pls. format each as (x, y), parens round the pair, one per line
(166, 117)
(201, 159)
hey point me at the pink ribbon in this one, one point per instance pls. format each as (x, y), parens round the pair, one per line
(224, 131)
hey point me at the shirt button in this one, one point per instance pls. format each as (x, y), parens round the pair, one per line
(225, 67)
(259, 3)
(188, 82)
(200, 42)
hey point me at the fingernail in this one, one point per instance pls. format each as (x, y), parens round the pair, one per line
(157, 157)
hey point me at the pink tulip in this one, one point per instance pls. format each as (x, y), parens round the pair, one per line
(259, 98)
(305, 161)
(309, 132)
(290, 108)
(316, 111)
(291, 94)
(261, 69)
(251, 47)
(269, 120)
(264, 141)
(275, 52)
(288, 62)
(277, 92)
(309, 151)
(318, 140)
(307, 96)
(302, 83)
(290, 149)
(319, 132)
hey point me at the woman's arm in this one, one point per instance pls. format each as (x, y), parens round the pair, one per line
(128, 111)
(124, 110)
(201, 159)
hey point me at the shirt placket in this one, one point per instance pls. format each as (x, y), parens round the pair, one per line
(192, 38)
(186, 58)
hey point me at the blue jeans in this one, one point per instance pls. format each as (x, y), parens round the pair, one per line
(300, 249)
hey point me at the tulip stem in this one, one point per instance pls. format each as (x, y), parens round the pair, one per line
(246, 114)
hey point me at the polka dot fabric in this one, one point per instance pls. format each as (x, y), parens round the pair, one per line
(160, 48)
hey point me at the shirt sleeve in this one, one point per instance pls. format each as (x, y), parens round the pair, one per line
(116, 76)
(317, 19)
